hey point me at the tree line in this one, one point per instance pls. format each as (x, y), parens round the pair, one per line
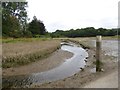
(15, 21)
(86, 32)
(15, 24)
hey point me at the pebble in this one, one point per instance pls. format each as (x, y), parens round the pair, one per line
(102, 70)
(82, 69)
(85, 60)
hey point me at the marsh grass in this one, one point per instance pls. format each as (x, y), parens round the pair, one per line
(17, 54)
(15, 40)
(83, 44)
(25, 59)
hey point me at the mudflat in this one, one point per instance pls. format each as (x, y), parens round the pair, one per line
(82, 79)
(54, 59)
(88, 75)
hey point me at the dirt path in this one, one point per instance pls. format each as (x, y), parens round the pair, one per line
(108, 81)
(52, 61)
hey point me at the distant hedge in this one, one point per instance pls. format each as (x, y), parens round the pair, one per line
(83, 32)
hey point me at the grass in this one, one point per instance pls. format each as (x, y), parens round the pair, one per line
(25, 51)
(111, 37)
(84, 42)
(25, 59)
(21, 51)
(15, 40)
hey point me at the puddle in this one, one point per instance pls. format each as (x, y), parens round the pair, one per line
(67, 69)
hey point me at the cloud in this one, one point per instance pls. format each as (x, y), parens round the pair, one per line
(65, 14)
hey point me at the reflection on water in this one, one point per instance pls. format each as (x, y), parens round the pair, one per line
(68, 68)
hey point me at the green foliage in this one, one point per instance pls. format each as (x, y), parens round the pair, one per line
(14, 18)
(17, 9)
(27, 34)
(10, 26)
(85, 32)
(15, 40)
(36, 27)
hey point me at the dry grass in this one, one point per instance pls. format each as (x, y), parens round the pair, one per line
(84, 42)
(20, 53)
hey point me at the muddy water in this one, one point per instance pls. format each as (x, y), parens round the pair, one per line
(110, 47)
(68, 68)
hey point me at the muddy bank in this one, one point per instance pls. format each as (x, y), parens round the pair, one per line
(66, 69)
(85, 76)
(56, 58)
(79, 80)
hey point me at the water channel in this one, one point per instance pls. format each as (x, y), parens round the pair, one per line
(67, 69)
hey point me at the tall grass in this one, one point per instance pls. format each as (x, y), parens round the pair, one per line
(8, 62)
(17, 54)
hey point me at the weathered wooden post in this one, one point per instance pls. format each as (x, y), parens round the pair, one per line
(98, 52)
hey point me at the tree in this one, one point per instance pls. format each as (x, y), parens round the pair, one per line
(36, 27)
(14, 18)
(85, 32)
(0, 20)
(11, 26)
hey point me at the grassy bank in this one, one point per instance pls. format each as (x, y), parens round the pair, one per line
(15, 40)
(81, 78)
(18, 52)
(84, 42)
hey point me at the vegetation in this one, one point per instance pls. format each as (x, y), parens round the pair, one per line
(14, 21)
(14, 18)
(84, 42)
(15, 24)
(85, 32)
(36, 27)
(27, 52)
(15, 40)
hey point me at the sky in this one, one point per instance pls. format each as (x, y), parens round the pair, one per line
(73, 14)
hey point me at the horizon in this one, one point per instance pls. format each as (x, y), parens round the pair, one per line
(71, 14)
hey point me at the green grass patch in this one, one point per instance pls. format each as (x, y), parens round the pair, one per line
(15, 40)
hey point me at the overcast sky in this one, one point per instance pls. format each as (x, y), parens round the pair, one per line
(68, 14)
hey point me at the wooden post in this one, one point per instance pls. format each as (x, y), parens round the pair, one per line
(98, 52)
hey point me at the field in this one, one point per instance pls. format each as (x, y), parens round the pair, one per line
(22, 51)
(17, 52)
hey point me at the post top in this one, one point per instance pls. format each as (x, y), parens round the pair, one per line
(99, 38)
